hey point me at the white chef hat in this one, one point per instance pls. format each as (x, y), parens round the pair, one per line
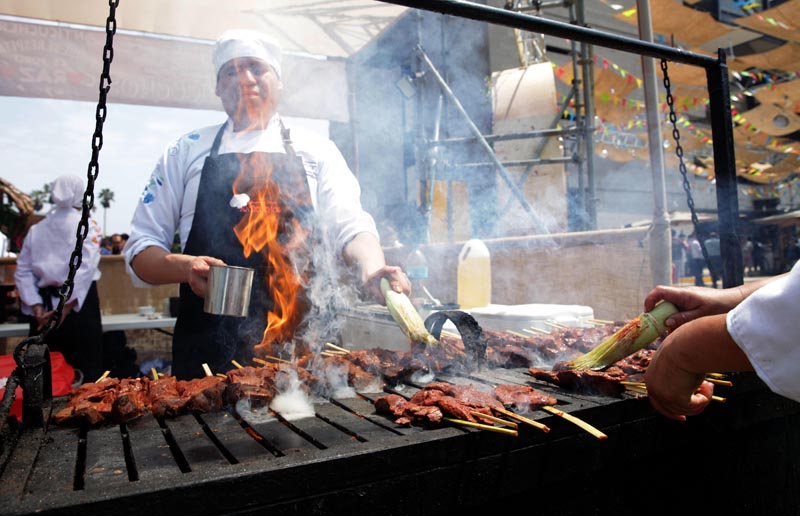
(235, 43)
(67, 191)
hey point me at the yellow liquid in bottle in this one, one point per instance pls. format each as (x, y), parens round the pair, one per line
(474, 276)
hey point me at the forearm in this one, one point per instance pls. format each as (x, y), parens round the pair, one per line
(364, 252)
(157, 266)
(704, 345)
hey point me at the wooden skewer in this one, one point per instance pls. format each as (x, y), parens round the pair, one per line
(154, 373)
(642, 389)
(535, 330)
(332, 354)
(599, 321)
(523, 419)
(637, 384)
(488, 428)
(557, 325)
(512, 332)
(207, 370)
(237, 364)
(715, 381)
(270, 357)
(103, 377)
(715, 375)
(493, 419)
(337, 348)
(450, 334)
(574, 420)
(222, 375)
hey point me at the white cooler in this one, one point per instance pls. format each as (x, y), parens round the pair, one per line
(371, 326)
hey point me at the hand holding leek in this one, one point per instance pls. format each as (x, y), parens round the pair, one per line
(629, 339)
(406, 316)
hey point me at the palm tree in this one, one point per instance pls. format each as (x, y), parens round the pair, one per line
(39, 197)
(106, 196)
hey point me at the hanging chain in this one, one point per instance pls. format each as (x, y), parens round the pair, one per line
(676, 135)
(65, 291)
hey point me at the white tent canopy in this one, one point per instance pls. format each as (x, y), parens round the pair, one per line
(54, 49)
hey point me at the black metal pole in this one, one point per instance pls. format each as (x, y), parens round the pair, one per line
(530, 23)
(725, 172)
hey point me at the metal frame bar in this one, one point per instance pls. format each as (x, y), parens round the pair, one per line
(718, 88)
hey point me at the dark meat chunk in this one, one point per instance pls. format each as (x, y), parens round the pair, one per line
(636, 363)
(467, 395)
(132, 399)
(585, 381)
(523, 397)
(253, 383)
(92, 403)
(407, 413)
(392, 404)
(203, 394)
(165, 398)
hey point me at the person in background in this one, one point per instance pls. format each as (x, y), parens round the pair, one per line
(698, 261)
(43, 266)
(106, 246)
(117, 243)
(714, 257)
(751, 327)
(206, 183)
(679, 249)
(747, 257)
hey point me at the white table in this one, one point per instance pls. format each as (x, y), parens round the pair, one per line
(113, 322)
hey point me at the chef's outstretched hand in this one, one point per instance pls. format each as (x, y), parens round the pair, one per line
(197, 275)
(398, 281)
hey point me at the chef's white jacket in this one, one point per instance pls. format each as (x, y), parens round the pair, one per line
(44, 258)
(765, 327)
(168, 202)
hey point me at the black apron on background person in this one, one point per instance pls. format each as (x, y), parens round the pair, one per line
(200, 337)
(79, 337)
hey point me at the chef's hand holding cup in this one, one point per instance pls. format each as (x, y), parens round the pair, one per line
(199, 268)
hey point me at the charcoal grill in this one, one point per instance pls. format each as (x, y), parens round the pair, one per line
(350, 460)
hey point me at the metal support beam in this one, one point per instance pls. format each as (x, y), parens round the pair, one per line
(725, 172)
(490, 152)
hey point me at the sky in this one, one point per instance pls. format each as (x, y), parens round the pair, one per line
(41, 139)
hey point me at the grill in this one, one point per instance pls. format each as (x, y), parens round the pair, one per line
(350, 460)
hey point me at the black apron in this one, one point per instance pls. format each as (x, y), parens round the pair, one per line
(200, 337)
(79, 336)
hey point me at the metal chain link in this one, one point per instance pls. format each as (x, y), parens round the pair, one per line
(65, 291)
(676, 135)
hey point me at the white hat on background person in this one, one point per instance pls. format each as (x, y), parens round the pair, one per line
(236, 43)
(67, 191)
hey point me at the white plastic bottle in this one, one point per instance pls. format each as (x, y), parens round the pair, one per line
(416, 266)
(474, 275)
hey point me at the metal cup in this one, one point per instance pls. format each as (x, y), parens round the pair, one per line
(228, 290)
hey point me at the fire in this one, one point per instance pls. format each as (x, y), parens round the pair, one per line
(258, 231)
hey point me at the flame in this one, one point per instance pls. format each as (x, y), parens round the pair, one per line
(258, 232)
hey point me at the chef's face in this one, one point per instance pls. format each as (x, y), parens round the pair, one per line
(250, 91)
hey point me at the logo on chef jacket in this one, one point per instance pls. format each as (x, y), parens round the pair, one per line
(244, 204)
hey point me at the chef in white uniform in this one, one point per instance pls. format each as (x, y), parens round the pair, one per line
(191, 192)
(43, 266)
(752, 327)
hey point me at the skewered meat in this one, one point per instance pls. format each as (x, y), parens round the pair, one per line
(91, 402)
(203, 394)
(523, 397)
(586, 381)
(165, 398)
(132, 399)
(253, 383)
